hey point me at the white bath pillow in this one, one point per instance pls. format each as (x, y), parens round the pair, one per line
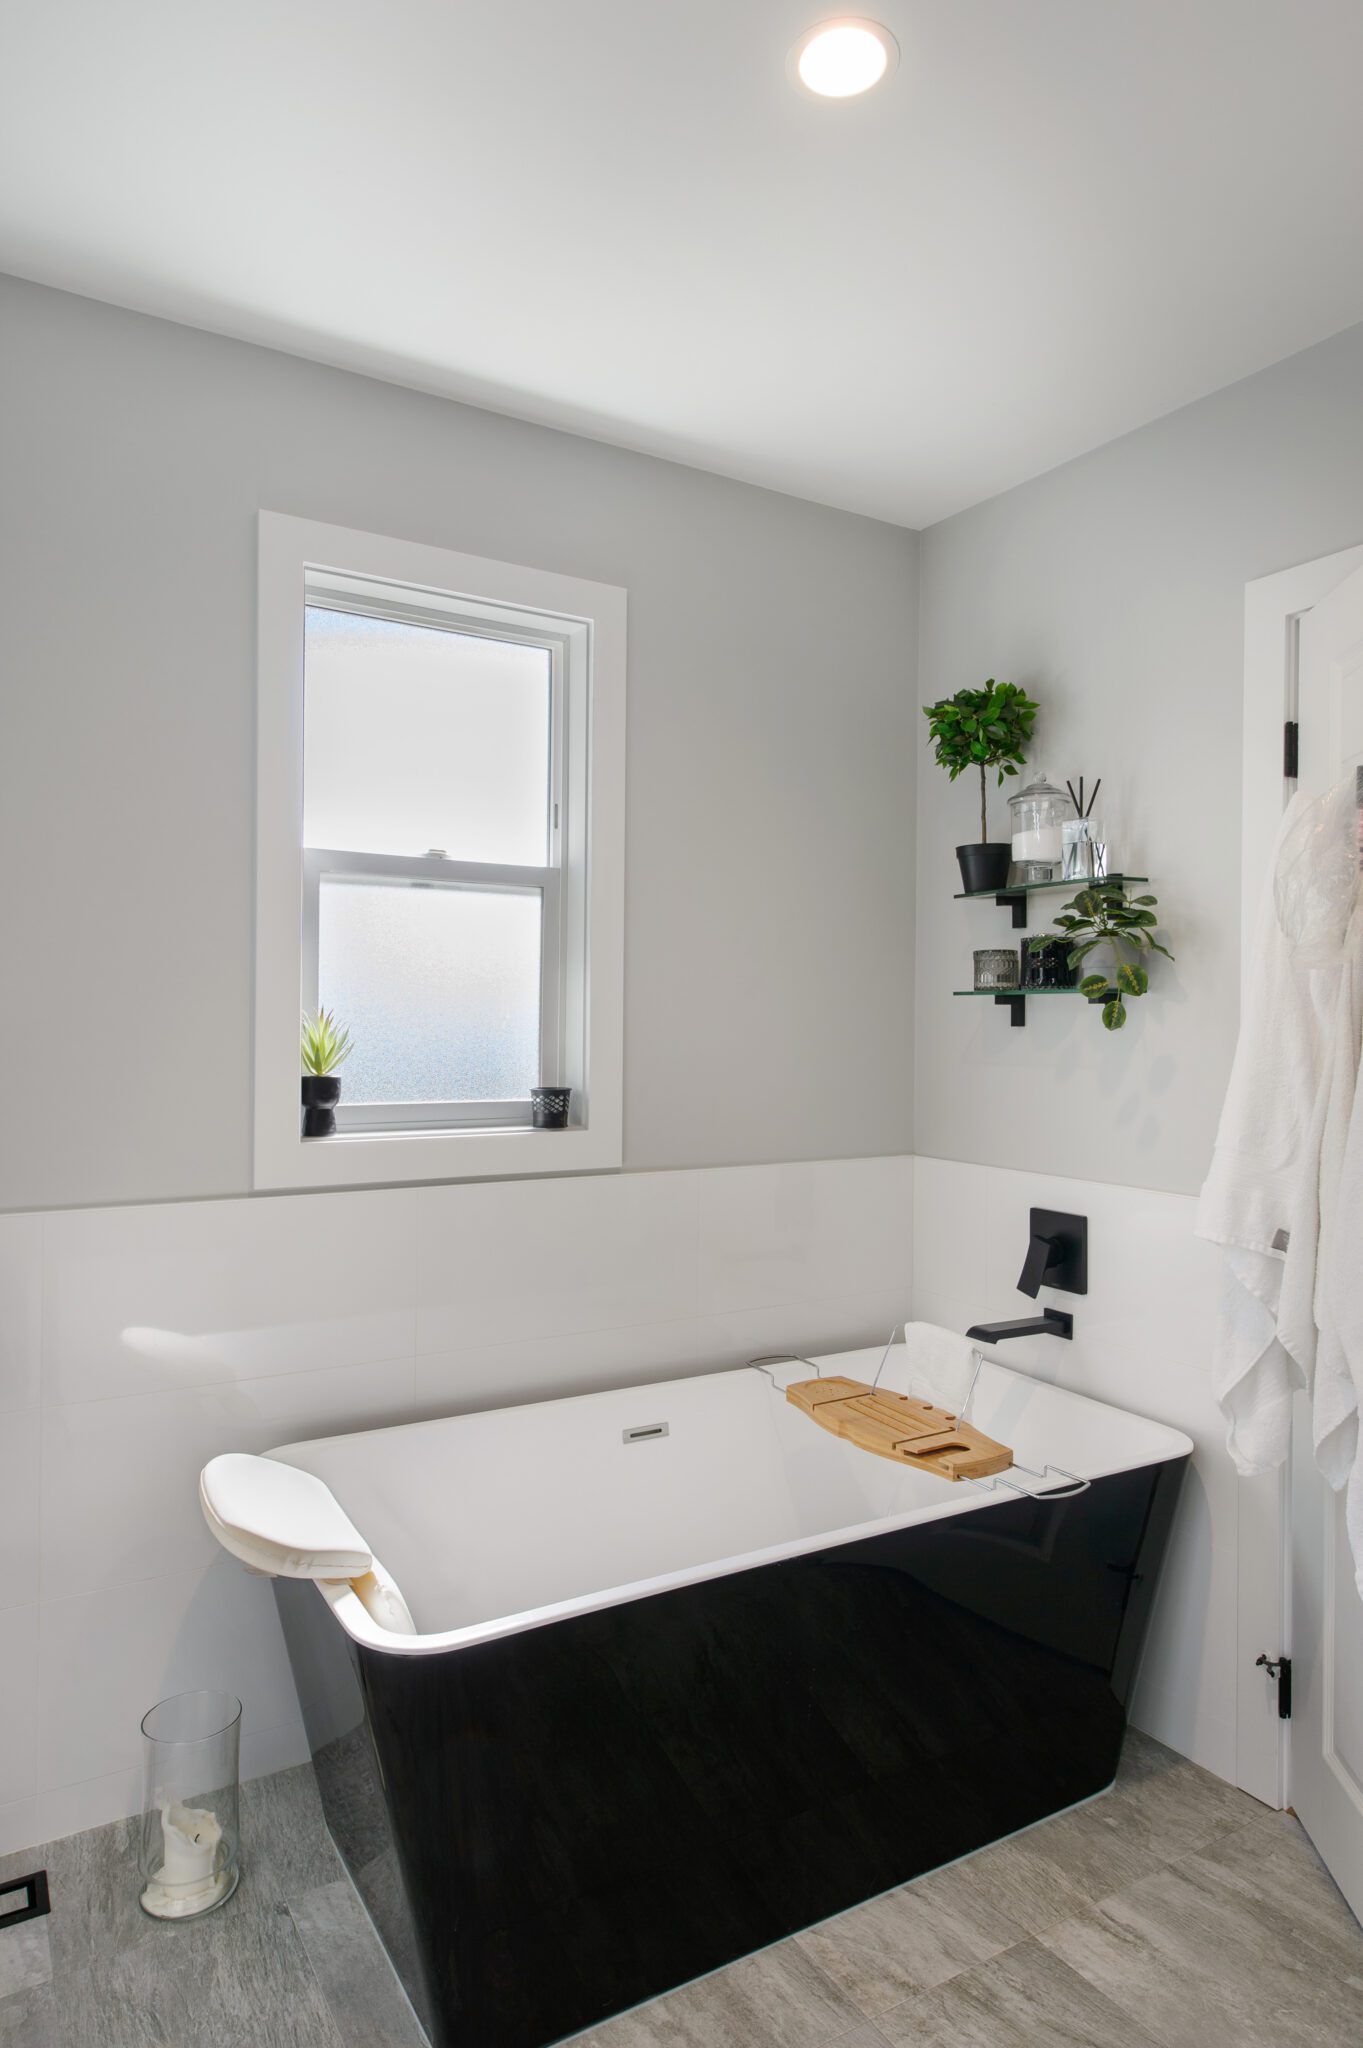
(280, 1520)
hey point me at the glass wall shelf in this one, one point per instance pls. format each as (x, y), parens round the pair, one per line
(1016, 999)
(1014, 897)
(1005, 895)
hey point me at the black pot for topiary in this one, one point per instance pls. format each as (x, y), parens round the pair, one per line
(321, 1093)
(985, 865)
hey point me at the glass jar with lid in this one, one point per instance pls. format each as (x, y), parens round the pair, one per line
(1037, 812)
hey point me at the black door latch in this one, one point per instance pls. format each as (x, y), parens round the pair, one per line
(1279, 1668)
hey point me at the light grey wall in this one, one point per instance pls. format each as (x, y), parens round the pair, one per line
(1114, 589)
(771, 694)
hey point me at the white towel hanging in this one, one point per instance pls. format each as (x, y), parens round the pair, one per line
(1284, 1196)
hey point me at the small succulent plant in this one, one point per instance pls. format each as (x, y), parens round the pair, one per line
(1104, 915)
(325, 1044)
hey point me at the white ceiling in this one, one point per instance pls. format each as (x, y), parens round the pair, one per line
(1058, 219)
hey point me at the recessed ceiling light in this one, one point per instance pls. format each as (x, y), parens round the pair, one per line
(838, 59)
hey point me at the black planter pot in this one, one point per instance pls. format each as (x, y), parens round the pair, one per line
(321, 1093)
(985, 865)
(549, 1108)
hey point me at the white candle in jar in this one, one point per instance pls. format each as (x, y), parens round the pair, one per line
(1042, 842)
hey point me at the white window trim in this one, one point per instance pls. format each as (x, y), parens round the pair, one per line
(592, 616)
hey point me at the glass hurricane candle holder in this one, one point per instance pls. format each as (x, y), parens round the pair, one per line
(188, 1851)
(996, 967)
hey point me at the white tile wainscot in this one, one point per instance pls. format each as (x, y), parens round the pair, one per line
(137, 1342)
(1142, 1340)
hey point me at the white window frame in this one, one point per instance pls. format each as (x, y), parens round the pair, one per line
(561, 931)
(582, 884)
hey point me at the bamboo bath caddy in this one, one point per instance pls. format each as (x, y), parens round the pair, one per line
(896, 1426)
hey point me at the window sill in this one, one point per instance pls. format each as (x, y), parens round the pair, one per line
(377, 1158)
(440, 1131)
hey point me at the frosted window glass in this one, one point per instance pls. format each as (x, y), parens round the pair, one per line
(416, 738)
(439, 988)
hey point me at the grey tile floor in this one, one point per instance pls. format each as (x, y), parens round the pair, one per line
(1173, 1912)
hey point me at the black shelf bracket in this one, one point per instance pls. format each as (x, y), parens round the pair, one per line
(1015, 1001)
(1018, 904)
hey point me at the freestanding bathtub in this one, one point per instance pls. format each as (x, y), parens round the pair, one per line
(693, 1674)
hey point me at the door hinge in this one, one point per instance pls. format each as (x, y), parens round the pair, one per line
(1279, 1668)
(1291, 735)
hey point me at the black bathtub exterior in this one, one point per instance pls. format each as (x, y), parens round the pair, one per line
(554, 1826)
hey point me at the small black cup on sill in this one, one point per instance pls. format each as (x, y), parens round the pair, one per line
(549, 1108)
(321, 1093)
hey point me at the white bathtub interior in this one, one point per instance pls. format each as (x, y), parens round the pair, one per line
(509, 1517)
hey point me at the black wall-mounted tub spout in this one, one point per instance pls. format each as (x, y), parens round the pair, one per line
(1052, 1322)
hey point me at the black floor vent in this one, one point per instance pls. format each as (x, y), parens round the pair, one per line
(24, 1898)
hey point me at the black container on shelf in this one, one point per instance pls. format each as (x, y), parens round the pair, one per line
(1046, 963)
(985, 865)
(321, 1093)
(549, 1108)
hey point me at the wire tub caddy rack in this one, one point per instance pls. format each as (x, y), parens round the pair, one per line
(914, 1432)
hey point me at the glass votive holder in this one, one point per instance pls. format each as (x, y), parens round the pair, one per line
(996, 967)
(188, 1851)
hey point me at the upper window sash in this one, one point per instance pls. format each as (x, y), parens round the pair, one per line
(474, 619)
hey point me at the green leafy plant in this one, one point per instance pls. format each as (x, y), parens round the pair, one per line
(325, 1044)
(984, 729)
(1104, 915)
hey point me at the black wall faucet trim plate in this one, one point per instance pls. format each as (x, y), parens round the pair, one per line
(1057, 1254)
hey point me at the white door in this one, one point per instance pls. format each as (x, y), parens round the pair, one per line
(1325, 1754)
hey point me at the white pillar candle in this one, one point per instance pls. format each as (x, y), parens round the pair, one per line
(187, 1881)
(190, 1835)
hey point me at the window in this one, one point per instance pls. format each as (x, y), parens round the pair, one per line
(433, 819)
(440, 856)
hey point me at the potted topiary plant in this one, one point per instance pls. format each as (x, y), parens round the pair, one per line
(325, 1045)
(984, 729)
(1104, 915)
